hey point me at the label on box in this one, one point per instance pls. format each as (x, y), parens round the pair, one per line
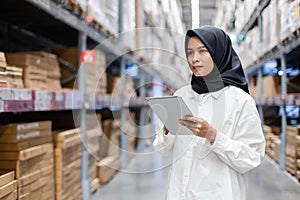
(28, 135)
(88, 57)
(27, 126)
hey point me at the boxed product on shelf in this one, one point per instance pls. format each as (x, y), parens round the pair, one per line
(32, 167)
(34, 69)
(2, 60)
(106, 14)
(294, 15)
(68, 151)
(275, 20)
(131, 132)
(124, 91)
(93, 146)
(292, 145)
(19, 132)
(110, 139)
(53, 69)
(107, 168)
(271, 86)
(94, 62)
(285, 19)
(8, 185)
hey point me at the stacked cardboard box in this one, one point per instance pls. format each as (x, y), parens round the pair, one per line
(71, 56)
(105, 14)
(95, 66)
(27, 148)
(34, 69)
(67, 155)
(131, 133)
(292, 144)
(8, 185)
(2, 61)
(272, 143)
(93, 147)
(109, 151)
(298, 157)
(123, 91)
(53, 70)
(94, 63)
(10, 76)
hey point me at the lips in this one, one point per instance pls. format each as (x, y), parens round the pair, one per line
(197, 67)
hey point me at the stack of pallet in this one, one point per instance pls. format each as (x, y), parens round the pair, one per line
(10, 76)
(27, 148)
(131, 133)
(272, 142)
(15, 77)
(93, 147)
(68, 164)
(95, 64)
(94, 132)
(292, 143)
(53, 70)
(109, 162)
(3, 81)
(8, 185)
(34, 69)
(298, 158)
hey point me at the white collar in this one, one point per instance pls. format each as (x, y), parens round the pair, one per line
(216, 95)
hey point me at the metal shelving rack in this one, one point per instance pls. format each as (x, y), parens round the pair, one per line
(280, 50)
(85, 31)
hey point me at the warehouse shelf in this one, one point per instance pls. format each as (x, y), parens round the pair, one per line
(253, 18)
(287, 44)
(25, 100)
(289, 99)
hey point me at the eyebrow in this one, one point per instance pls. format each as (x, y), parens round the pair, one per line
(201, 47)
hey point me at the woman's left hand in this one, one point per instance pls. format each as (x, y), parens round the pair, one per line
(199, 127)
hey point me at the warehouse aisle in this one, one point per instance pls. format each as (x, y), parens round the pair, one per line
(266, 182)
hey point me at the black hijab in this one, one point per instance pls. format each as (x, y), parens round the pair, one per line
(227, 65)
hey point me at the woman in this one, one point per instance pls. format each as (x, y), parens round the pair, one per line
(227, 139)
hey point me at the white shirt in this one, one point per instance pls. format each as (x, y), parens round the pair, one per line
(218, 171)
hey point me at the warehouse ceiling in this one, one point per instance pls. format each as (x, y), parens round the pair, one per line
(207, 9)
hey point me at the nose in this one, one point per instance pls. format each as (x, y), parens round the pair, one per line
(196, 58)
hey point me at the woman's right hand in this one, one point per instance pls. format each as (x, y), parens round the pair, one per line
(166, 131)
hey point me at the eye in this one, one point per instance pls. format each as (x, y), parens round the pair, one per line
(190, 53)
(202, 51)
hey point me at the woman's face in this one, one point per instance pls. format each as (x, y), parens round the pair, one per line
(199, 58)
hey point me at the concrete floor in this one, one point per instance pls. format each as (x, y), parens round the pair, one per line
(266, 182)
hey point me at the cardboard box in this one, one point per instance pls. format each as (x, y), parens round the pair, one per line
(27, 179)
(8, 188)
(23, 168)
(14, 129)
(23, 58)
(10, 196)
(27, 153)
(25, 144)
(95, 184)
(11, 138)
(107, 168)
(6, 177)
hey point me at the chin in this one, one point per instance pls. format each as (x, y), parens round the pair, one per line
(198, 75)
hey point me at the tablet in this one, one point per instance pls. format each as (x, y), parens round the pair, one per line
(169, 110)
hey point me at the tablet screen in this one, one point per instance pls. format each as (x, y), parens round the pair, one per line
(169, 110)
